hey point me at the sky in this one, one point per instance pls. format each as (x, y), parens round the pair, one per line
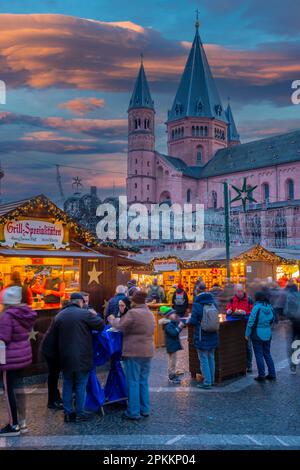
(69, 68)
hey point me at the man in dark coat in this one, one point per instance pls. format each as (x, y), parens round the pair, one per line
(73, 326)
(205, 342)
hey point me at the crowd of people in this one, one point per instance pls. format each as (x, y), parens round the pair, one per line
(68, 349)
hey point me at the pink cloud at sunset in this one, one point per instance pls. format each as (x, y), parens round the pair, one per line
(83, 105)
(43, 50)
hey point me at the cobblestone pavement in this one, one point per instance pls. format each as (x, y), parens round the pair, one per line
(240, 414)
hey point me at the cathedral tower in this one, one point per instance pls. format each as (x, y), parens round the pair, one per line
(197, 124)
(141, 186)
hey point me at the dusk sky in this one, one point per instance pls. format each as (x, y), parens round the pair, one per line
(70, 65)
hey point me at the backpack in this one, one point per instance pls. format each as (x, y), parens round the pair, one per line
(154, 293)
(210, 319)
(179, 298)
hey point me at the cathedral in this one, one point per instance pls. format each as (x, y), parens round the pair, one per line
(204, 151)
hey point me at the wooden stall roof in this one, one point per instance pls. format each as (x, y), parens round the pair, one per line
(51, 253)
(218, 255)
(289, 254)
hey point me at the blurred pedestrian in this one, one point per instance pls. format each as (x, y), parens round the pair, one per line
(260, 332)
(138, 349)
(132, 287)
(292, 312)
(170, 293)
(16, 322)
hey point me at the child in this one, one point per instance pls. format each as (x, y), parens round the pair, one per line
(172, 327)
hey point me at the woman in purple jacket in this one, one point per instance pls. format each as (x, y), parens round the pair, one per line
(16, 323)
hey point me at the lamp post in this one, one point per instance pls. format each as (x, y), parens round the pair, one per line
(227, 235)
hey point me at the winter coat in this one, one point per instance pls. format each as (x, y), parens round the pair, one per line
(156, 293)
(72, 331)
(16, 322)
(172, 332)
(138, 329)
(180, 309)
(49, 346)
(169, 296)
(265, 319)
(113, 305)
(205, 340)
(217, 293)
(245, 303)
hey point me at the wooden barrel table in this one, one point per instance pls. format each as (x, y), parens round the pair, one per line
(230, 356)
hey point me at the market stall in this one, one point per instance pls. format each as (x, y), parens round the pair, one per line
(53, 256)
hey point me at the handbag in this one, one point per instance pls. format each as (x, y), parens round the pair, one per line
(2, 353)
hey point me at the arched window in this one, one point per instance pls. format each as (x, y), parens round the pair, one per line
(188, 195)
(199, 155)
(193, 131)
(266, 192)
(290, 190)
(206, 131)
(135, 123)
(182, 131)
(214, 200)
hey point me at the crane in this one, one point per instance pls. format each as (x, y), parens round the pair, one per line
(58, 179)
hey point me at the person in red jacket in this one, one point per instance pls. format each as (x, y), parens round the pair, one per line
(242, 303)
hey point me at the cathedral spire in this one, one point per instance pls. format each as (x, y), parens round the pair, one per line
(197, 94)
(233, 135)
(141, 97)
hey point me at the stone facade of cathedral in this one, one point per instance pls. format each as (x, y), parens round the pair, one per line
(204, 150)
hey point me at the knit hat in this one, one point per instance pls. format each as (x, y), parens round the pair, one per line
(166, 311)
(180, 286)
(12, 295)
(139, 297)
(76, 296)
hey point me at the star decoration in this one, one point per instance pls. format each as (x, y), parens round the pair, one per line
(244, 194)
(94, 275)
(32, 335)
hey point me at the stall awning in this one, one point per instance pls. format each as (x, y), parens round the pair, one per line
(51, 253)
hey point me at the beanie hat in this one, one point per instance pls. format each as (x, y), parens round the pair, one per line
(76, 296)
(180, 286)
(139, 297)
(166, 311)
(12, 295)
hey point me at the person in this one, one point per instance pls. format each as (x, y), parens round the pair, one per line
(132, 287)
(124, 307)
(112, 307)
(53, 289)
(49, 349)
(243, 304)
(170, 293)
(205, 341)
(217, 293)
(277, 300)
(138, 349)
(180, 301)
(156, 292)
(197, 285)
(15, 280)
(282, 282)
(72, 328)
(31, 283)
(16, 323)
(291, 286)
(291, 311)
(172, 328)
(259, 330)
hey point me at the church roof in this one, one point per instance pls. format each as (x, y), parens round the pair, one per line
(197, 94)
(233, 134)
(141, 97)
(276, 150)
